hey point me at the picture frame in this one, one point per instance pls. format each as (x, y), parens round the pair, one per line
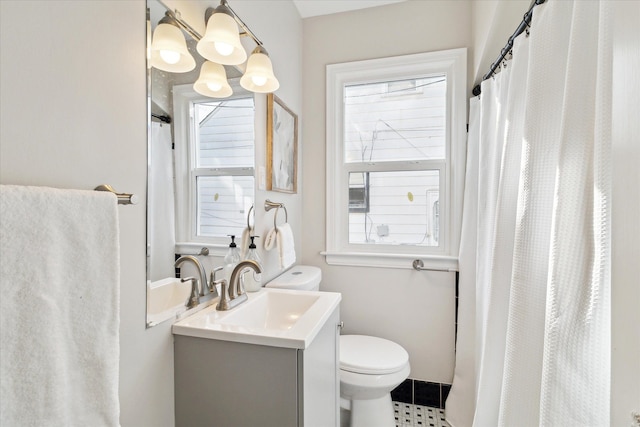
(282, 146)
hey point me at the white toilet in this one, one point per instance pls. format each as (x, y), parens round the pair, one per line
(370, 367)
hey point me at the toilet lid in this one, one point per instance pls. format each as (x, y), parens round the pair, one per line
(371, 355)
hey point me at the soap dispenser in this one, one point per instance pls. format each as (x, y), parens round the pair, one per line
(253, 280)
(231, 259)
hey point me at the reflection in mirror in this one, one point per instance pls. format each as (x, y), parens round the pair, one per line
(215, 169)
(200, 171)
(224, 166)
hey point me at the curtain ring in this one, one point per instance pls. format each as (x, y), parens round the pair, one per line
(526, 21)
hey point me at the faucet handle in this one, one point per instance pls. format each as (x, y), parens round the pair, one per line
(212, 278)
(194, 298)
(212, 282)
(223, 303)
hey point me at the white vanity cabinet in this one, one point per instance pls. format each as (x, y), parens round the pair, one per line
(229, 383)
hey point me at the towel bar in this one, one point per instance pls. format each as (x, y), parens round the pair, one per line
(419, 265)
(123, 198)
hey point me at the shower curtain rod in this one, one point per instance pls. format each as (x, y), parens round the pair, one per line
(526, 21)
(165, 119)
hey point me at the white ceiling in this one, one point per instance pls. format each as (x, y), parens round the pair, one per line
(309, 8)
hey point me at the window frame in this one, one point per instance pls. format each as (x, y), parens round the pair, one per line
(452, 63)
(187, 172)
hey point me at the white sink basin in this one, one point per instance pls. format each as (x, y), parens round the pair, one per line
(273, 317)
(271, 310)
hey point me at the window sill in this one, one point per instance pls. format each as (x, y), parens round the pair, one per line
(387, 260)
(191, 248)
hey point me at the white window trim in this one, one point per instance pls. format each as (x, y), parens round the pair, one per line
(187, 240)
(338, 251)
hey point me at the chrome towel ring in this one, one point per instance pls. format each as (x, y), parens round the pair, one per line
(268, 205)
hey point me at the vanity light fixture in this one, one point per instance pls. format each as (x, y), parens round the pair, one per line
(169, 49)
(213, 81)
(259, 77)
(219, 46)
(221, 41)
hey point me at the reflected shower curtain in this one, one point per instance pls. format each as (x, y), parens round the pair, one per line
(161, 210)
(534, 325)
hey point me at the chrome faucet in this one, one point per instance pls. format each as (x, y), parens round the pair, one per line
(194, 298)
(207, 290)
(232, 293)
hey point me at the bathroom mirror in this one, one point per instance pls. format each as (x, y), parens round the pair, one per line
(192, 137)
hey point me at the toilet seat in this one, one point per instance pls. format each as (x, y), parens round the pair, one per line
(363, 354)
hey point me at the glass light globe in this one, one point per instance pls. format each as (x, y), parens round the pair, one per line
(214, 86)
(259, 80)
(212, 81)
(170, 56)
(221, 40)
(223, 48)
(169, 50)
(258, 76)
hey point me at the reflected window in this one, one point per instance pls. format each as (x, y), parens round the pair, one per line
(215, 165)
(224, 165)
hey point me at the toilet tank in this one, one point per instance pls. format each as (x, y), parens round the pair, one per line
(300, 277)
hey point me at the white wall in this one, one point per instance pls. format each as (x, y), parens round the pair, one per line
(625, 322)
(73, 115)
(279, 27)
(415, 309)
(493, 22)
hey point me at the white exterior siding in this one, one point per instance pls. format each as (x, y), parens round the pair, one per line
(403, 201)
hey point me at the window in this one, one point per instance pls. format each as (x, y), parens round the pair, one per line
(395, 159)
(359, 192)
(214, 165)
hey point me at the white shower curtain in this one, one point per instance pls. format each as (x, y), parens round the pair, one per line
(534, 326)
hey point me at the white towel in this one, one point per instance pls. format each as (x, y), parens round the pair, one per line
(270, 239)
(286, 247)
(59, 311)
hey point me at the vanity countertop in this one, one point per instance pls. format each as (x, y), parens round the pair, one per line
(271, 317)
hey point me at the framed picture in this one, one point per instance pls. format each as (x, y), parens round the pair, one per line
(282, 146)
